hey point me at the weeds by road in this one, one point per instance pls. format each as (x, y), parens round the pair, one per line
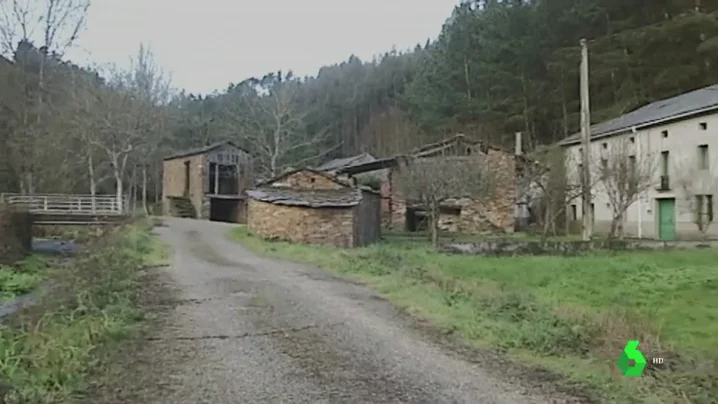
(48, 352)
(572, 316)
(22, 278)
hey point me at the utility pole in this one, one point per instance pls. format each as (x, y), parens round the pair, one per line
(585, 146)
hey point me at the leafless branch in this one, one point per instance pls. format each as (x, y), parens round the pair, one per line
(430, 182)
(624, 177)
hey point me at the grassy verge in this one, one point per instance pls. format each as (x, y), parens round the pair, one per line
(48, 352)
(570, 315)
(21, 278)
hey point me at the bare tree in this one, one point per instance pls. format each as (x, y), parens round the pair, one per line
(53, 25)
(273, 122)
(80, 112)
(549, 185)
(697, 182)
(152, 90)
(624, 177)
(431, 182)
(130, 119)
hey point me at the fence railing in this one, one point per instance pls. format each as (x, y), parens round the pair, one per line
(67, 204)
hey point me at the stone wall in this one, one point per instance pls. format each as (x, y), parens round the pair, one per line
(566, 248)
(306, 179)
(15, 235)
(494, 214)
(173, 182)
(321, 226)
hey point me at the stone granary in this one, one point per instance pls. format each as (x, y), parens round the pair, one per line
(312, 207)
(461, 214)
(208, 183)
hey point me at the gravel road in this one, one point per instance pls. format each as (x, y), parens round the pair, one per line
(247, 329)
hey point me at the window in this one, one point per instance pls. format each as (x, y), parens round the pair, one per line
(604, 168)
(704, 209)
(632, 163)
(664, 133)
(574, 212)
(704, 125)
(450, 210)
(632, 139)
(605, 145)
(312, 180)
(709, 207)
(664, 163)
(703, 157)
(593, 213)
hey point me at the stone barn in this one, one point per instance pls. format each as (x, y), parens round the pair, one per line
(312, 207)
(208, 183)
(465, 214)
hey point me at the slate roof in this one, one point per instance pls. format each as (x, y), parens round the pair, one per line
(322, 198)
(204, 149)
(679, 107)
(292, 172)
(346, 162)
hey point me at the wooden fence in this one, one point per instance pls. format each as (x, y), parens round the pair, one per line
(62, 204)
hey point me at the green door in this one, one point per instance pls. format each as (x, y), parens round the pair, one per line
(667, 219)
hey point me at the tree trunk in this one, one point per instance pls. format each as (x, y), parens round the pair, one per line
(434, 217)
(546, 222)
(614, 227)
(118, 189)
(133, 189)
(30, 182)
(144, 189)
(93, 183)
(158, 187)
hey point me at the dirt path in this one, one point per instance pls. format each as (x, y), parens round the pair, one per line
(245, 329)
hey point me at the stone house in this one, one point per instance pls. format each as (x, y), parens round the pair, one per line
(462, 214)
(208, 183)
(313, 207)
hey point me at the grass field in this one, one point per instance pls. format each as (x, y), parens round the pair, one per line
(48, 352)
(571, 315)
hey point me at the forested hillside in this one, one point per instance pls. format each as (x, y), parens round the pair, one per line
(497, 67)
(504, 66)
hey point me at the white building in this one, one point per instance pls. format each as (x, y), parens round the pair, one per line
(676, 138)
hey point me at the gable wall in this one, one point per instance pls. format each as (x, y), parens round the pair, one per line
(307, 180)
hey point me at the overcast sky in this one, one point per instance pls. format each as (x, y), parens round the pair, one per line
(207, 44)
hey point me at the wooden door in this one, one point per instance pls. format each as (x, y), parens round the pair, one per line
(667, 219)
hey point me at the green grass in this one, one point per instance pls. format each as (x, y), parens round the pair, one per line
(21, 278)
(570, 315)
(48, 352)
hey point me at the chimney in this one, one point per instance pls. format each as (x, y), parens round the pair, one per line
(519, 149)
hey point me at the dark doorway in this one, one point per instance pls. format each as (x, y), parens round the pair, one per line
(230, 210)
(415, 220)
(186, 178)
